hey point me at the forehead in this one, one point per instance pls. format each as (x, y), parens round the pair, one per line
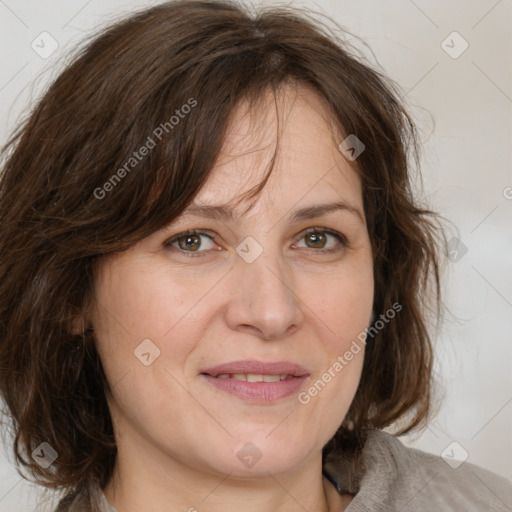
(297, 127)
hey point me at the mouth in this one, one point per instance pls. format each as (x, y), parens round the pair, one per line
(257, 381)
(253, 377)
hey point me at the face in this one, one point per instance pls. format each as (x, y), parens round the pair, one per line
(279, 284)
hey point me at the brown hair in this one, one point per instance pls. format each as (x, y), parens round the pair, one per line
(65, 202)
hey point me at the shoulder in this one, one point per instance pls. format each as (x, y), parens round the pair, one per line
(397, 477)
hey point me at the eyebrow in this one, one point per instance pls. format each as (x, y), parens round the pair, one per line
(226, 213)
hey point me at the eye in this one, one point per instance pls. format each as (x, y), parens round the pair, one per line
(190, 241)
(318, 238)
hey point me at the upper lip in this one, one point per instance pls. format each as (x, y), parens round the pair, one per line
(257, 368)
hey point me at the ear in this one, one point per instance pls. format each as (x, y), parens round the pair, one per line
(76, 326)
(77, 323)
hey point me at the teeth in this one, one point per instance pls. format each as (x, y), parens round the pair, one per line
(252, 377)
(271, 378)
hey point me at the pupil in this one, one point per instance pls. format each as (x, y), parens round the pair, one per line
(319, 238)
(189, 242)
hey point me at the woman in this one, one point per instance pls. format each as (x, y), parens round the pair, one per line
(166, 344)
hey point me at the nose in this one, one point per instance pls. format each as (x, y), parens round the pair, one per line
(264, 299)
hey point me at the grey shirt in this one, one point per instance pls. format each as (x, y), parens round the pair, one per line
(399, 479)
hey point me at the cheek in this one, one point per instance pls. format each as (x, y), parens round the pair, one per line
(345, 306)
(139, 301)
(144, 301)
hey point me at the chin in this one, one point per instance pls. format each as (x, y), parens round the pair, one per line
(255, 455)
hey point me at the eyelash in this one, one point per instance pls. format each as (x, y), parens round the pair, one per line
(194, 254)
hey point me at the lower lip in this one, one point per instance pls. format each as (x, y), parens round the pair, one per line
(261, 392)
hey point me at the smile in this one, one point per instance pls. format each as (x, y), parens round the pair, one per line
(257, 381)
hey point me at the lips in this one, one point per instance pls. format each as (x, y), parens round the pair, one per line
(254, 367)
(257, 381)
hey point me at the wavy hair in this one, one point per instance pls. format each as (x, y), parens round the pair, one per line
(65, 202)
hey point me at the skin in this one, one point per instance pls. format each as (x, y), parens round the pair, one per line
(177, 435)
